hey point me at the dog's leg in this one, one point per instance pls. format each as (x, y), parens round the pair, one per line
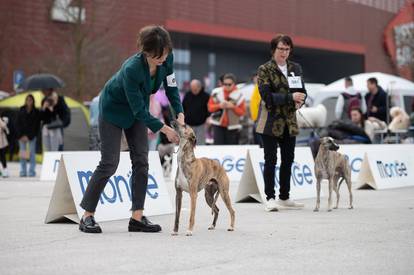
(337, 184)
(331, 183)
(178, 200)
(224, 193)
(211, 194)
(318, 193)
(193, 197)
(349, 184)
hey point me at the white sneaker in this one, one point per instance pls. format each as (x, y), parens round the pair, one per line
(271, 205)
(290, 204)
(5, 173)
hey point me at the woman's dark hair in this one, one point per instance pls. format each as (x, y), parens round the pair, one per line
(154, 40)
(229, 76)
(361, 114)
(280, 38)
(33, 99)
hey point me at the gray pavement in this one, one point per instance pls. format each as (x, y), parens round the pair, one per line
(377, 237)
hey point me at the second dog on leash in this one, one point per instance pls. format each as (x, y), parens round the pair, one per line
(195, 174)
(333, 166)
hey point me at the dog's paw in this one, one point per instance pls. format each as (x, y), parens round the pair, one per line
(351, 207)
(189, 233)
(316, 210)
(336, 207)
(329, 210)
(174, 234)
(211, 227)
(230, 229)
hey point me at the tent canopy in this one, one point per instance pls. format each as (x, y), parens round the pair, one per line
(75, 135)
(386, 81)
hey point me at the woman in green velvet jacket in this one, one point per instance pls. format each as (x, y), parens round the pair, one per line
(124, 106)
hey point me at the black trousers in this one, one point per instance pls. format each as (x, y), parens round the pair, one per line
(224, 136)
(137, 139)
(3, 157)
(287, 151)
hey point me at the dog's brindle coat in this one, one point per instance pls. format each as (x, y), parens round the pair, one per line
(195, 174)
(333, 166)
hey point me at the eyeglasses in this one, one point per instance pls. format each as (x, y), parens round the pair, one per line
(227, 84)
(283, 49)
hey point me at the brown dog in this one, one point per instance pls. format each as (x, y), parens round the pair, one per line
(195, 174)
(333, 166)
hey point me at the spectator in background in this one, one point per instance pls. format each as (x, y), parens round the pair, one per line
(195, 107)
(56, 116)
(349, 100)
(376, 100)
(27, 130)
(94, 138)
(4, 131)
(227, 105)
(254, 109)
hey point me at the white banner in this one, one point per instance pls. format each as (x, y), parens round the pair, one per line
(231, 157)
(390, 166)
(355, 153)
(302, 184)
(75, 171)
(50, 165)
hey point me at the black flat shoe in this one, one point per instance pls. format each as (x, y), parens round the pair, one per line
(143, 226)
(89, 225)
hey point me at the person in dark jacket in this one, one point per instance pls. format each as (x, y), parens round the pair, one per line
(376, 100)
(282, 91)
(56, 116)
(195, 107)
(27, 128)
(124, 107)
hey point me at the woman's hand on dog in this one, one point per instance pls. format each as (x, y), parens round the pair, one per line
(172, 135)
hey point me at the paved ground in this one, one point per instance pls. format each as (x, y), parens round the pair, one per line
(377, 237)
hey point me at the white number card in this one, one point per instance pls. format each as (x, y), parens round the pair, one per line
(295, 82)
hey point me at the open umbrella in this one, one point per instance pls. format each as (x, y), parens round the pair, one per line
(42, 81)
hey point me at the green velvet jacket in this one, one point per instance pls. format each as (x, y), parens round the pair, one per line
(125, 97)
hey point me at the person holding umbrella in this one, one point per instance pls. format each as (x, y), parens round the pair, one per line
(56, 116)
(55, 112)
(124, 106)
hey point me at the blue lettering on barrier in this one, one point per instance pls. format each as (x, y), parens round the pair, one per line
(152, 184)
(229, 163)
(355, 163)
(115, 190)
(300, 174)
(392, 169)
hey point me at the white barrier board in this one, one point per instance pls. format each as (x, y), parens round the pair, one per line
(391, 166)
(50, 165)
(75, 171)
(231, 157)
(302, 183)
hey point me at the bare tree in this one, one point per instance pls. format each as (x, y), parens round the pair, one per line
(87, 57)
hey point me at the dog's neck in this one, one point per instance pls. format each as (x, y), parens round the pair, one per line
(323, 151)
(186, 151)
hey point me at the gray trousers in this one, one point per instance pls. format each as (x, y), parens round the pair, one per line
(137, 139)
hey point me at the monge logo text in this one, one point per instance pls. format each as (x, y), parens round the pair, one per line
(116, 184)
